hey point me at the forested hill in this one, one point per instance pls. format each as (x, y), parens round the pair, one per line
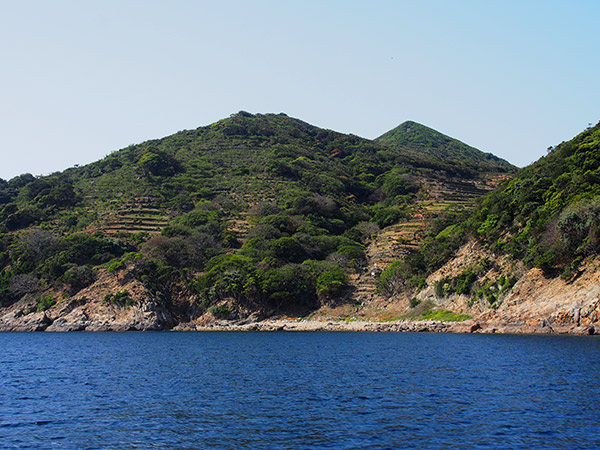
(418, 139)
(257, 157)
(547, 216)
(257, 208)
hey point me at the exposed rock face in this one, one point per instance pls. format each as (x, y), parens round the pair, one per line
(536, 301)
(17, 321)
(535, 304)
(88, 310)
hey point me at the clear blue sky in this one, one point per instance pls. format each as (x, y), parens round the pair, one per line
(81, 79)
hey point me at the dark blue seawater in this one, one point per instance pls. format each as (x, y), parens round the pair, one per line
(298, 390)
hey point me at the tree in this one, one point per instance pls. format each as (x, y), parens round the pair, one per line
(158, 163)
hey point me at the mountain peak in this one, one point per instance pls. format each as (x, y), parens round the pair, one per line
(412, 133)
(417, 138)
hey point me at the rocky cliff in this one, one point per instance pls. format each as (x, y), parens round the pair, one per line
(534, 304)
(90, 310)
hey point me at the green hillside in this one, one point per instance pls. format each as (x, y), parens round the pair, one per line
(547, 216)
(418, 139)
(256, 209)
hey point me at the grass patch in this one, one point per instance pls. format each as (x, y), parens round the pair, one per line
(446, 316)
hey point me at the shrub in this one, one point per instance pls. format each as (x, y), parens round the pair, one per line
(442, 287)
(331, 280)
(315, 205)
(228, 276)
(158, 163)
(396, 184)
(393, 279)
(292, 282)
(219, 311)
(5, 298)
(362, 232)
(115, 265)
(489, 292)
(572, 269)
(464, 281)
(355, 252)
(385, 216)
(264, 209)
(81, 249)
(22, 284)
(287, 249)
(121, 299)
(79, 277)
(45, 302)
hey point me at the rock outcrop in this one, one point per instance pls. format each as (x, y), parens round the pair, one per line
(89, 310)
(535, 304)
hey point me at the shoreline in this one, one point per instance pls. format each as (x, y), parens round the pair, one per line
(425, 326)
(136, 320)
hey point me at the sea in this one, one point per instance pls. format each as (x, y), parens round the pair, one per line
(299, 390)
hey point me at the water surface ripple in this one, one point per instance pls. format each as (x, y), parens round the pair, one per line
(298, 390)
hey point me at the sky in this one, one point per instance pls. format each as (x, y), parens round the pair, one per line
(79, 80)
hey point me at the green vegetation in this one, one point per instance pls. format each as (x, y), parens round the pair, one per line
(219, 311)
(465, 282)
(547, 216)
(254, 208)
(120, 298)
(399, 275)
(446, 316)
(454, 156)
(45, 302)
(472, 282)
(425, 311)
(393, 278)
